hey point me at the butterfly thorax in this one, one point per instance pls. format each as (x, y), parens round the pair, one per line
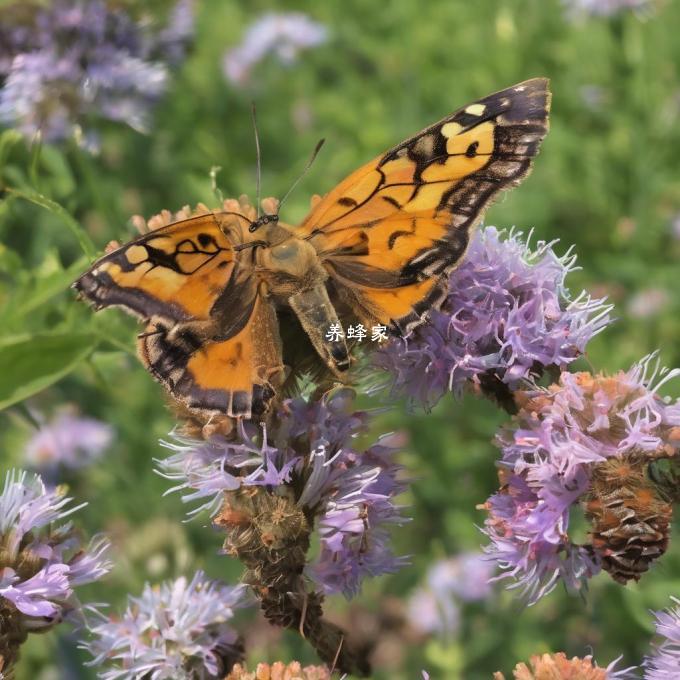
(287, 263)
(294, 277)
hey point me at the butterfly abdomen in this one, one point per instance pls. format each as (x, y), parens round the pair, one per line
(320, 321)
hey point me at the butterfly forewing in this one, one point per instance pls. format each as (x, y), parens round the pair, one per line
(406, 216)
(206, 322)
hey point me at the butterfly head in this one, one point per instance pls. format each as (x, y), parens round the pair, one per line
(262, 221)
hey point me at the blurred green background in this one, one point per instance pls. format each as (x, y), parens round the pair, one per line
(607, 182)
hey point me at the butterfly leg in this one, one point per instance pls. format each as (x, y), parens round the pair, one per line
(318, 317)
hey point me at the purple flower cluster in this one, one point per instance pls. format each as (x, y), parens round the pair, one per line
(310, 450)
(548, 454)
(605, 8)
(171, 42)
(65, 62)
(664, 664)
(435, 606)
(177, 630)
(68, 441)
(508, 315)
(40, 563)
(648, 303)
(675, 227)
(284, 34)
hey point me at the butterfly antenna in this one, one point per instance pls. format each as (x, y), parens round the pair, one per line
(320, 143)
(259, 164)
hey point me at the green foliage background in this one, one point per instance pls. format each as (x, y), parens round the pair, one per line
(607, 181)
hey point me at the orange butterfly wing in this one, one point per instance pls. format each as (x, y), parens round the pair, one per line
(222, 375)
(211, 339)
(390, 232)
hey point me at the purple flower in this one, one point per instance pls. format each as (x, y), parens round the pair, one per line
(67, 62)
(284, 34)
(549, 455)
(172, 40)
(435, 606)
(649, 302)
(30, 98)
(310, 451)
(664, 664)
(430, 615)
(508, 316)
(466, 576)
(605, 8)
(34, 597)
(593, 96)
(42, 563)
(675, 227)
(355, 506)
(176, 630)
(67, 441)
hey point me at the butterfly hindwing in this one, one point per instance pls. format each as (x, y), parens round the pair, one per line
(233, 375)
(391, 232)
(211, 339)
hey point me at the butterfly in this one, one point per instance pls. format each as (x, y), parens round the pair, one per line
(218, 290)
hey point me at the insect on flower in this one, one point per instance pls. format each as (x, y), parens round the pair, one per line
(219, 291)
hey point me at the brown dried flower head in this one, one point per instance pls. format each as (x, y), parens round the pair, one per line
(241, 205)
(630, 519)
(279, 671)
(557, 667)
(255, 520)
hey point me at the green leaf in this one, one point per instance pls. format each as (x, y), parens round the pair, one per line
(59, 175)
(46, 285)
(30, 363)
(7, 140)
(80, 234)
(10, 262)
(23, 292)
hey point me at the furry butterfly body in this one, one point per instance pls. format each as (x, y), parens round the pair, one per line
(377, 249)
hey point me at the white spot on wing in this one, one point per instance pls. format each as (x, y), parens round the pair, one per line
(475, 109)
